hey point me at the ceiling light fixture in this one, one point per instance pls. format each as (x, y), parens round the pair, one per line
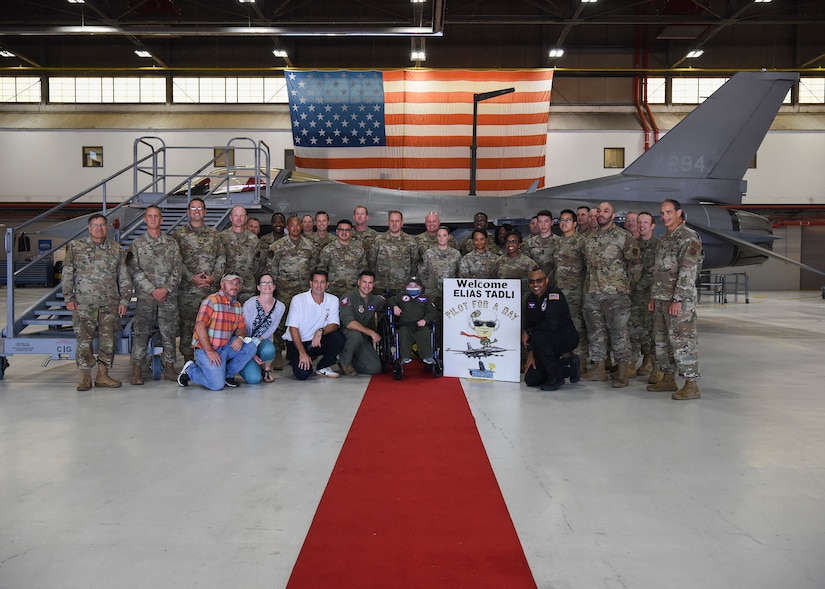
(418, 55)
(247, 1)
(695, 53)
(5, 53)
(142, 53)
(77, 1)
(556, 53)
(280, 53)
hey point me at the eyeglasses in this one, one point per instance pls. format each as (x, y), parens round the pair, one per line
(484, 323)
(344, 230)
(266, 283)
(565, 220)
(195, 208)
(536, 280)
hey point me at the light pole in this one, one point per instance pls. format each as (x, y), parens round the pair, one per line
(474, 147)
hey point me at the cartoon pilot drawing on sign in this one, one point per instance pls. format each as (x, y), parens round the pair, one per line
(483, 325)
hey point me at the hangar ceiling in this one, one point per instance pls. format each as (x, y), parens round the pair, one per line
(608, 37)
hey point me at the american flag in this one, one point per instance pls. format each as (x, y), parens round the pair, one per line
(412, 129)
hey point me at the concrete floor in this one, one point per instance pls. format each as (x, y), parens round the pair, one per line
(160, 486)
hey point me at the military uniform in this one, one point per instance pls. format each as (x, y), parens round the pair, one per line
(425, 242)
(612, 263)
(290, 265)
(551, 333)
(240, 251)
(394, 260)
(466, 246)
(437, 265)
(359, 351)
(264, 243)
(364, 238)
(95, 277)
(322, 242)
(642, 323)
(542, 250)
(569, 262)
(518, 267)
(477, 265)
(343, 263)
(201, 252)
(678, 261)
(413, 309)
(154, 263)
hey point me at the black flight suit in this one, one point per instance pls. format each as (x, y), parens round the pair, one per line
(551, 333)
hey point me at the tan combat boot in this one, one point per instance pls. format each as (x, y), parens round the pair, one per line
(621, 375)
(584, 367)
(687, 392)
(137, 375)
(647, 366)
(668, 383)
(169, 372)
(656, 374)
(598, 373)
(85, 380)
(278, 361)
(104, 380)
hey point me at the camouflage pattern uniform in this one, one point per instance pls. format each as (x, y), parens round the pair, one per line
(264, 243)
(359, 351)
(200, 252)
(394, 260)
(321, 243)
(641, 333)
(96, 278)
(543, 251)
(476, 265)
(290, 264)
(343, 263)
(678, 261)
(518, 267)
(154, 263)
(425, 242)
(239, 250)
(612, 262)
(569, 262)
(365, 239)
(466, 246)
(435, 267)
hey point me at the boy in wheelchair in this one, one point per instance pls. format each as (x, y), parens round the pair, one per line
(412, 314)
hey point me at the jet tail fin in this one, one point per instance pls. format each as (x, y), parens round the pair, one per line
(720, 137)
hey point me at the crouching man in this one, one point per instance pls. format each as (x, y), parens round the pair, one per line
(548, 333)
(312, 329)
(220, 329)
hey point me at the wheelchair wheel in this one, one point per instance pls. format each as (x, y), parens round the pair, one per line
(397, 370)
(157, 367)
(438, 369)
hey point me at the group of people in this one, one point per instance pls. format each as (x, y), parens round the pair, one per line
(239, 303)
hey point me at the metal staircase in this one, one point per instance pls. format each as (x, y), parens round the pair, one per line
(46, 326)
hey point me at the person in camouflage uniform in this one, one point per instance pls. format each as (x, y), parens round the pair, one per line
(514, 264)
(343, 260)
(359, 312)
(427, 239)
(438, 263)
(613, 265)
(644, 340)
(203, 263)
(307, 226)
(393, 256)
(583, 219)
(479, 263)
(289, 261)
(322, 238)
(363, 235)
(541, 248)
(239, 249)
(569, 262)
(479, 223)
(154, 264)
(673, 295)
(253, 226)
(97, 290)
(278, 224)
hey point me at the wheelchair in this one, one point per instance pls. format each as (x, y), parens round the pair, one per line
(389, 347)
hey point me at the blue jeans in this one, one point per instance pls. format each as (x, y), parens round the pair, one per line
(213, 377)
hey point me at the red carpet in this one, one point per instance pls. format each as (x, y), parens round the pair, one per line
(412, 500)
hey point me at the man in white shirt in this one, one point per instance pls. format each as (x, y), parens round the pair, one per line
(312, 329)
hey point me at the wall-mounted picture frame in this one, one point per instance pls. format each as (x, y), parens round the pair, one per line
(93, 156)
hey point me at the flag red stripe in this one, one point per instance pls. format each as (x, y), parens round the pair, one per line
(466, 119)
(463, 97)
(483, 141)
(493, 163)
(539, 75)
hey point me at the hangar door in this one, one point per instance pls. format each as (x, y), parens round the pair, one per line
(813, 254)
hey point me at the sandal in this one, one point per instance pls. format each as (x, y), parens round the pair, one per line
(268, 376)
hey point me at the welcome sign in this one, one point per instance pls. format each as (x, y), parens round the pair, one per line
(482, 328)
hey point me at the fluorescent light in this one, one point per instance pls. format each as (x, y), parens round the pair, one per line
(77, 1)
(417, 1)
(280, 53)
(761, 1)
(418, 55)
(247, 1)
(695, 53)
(4, 53)
(589, 1)
(142, 53)
(556, 52)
